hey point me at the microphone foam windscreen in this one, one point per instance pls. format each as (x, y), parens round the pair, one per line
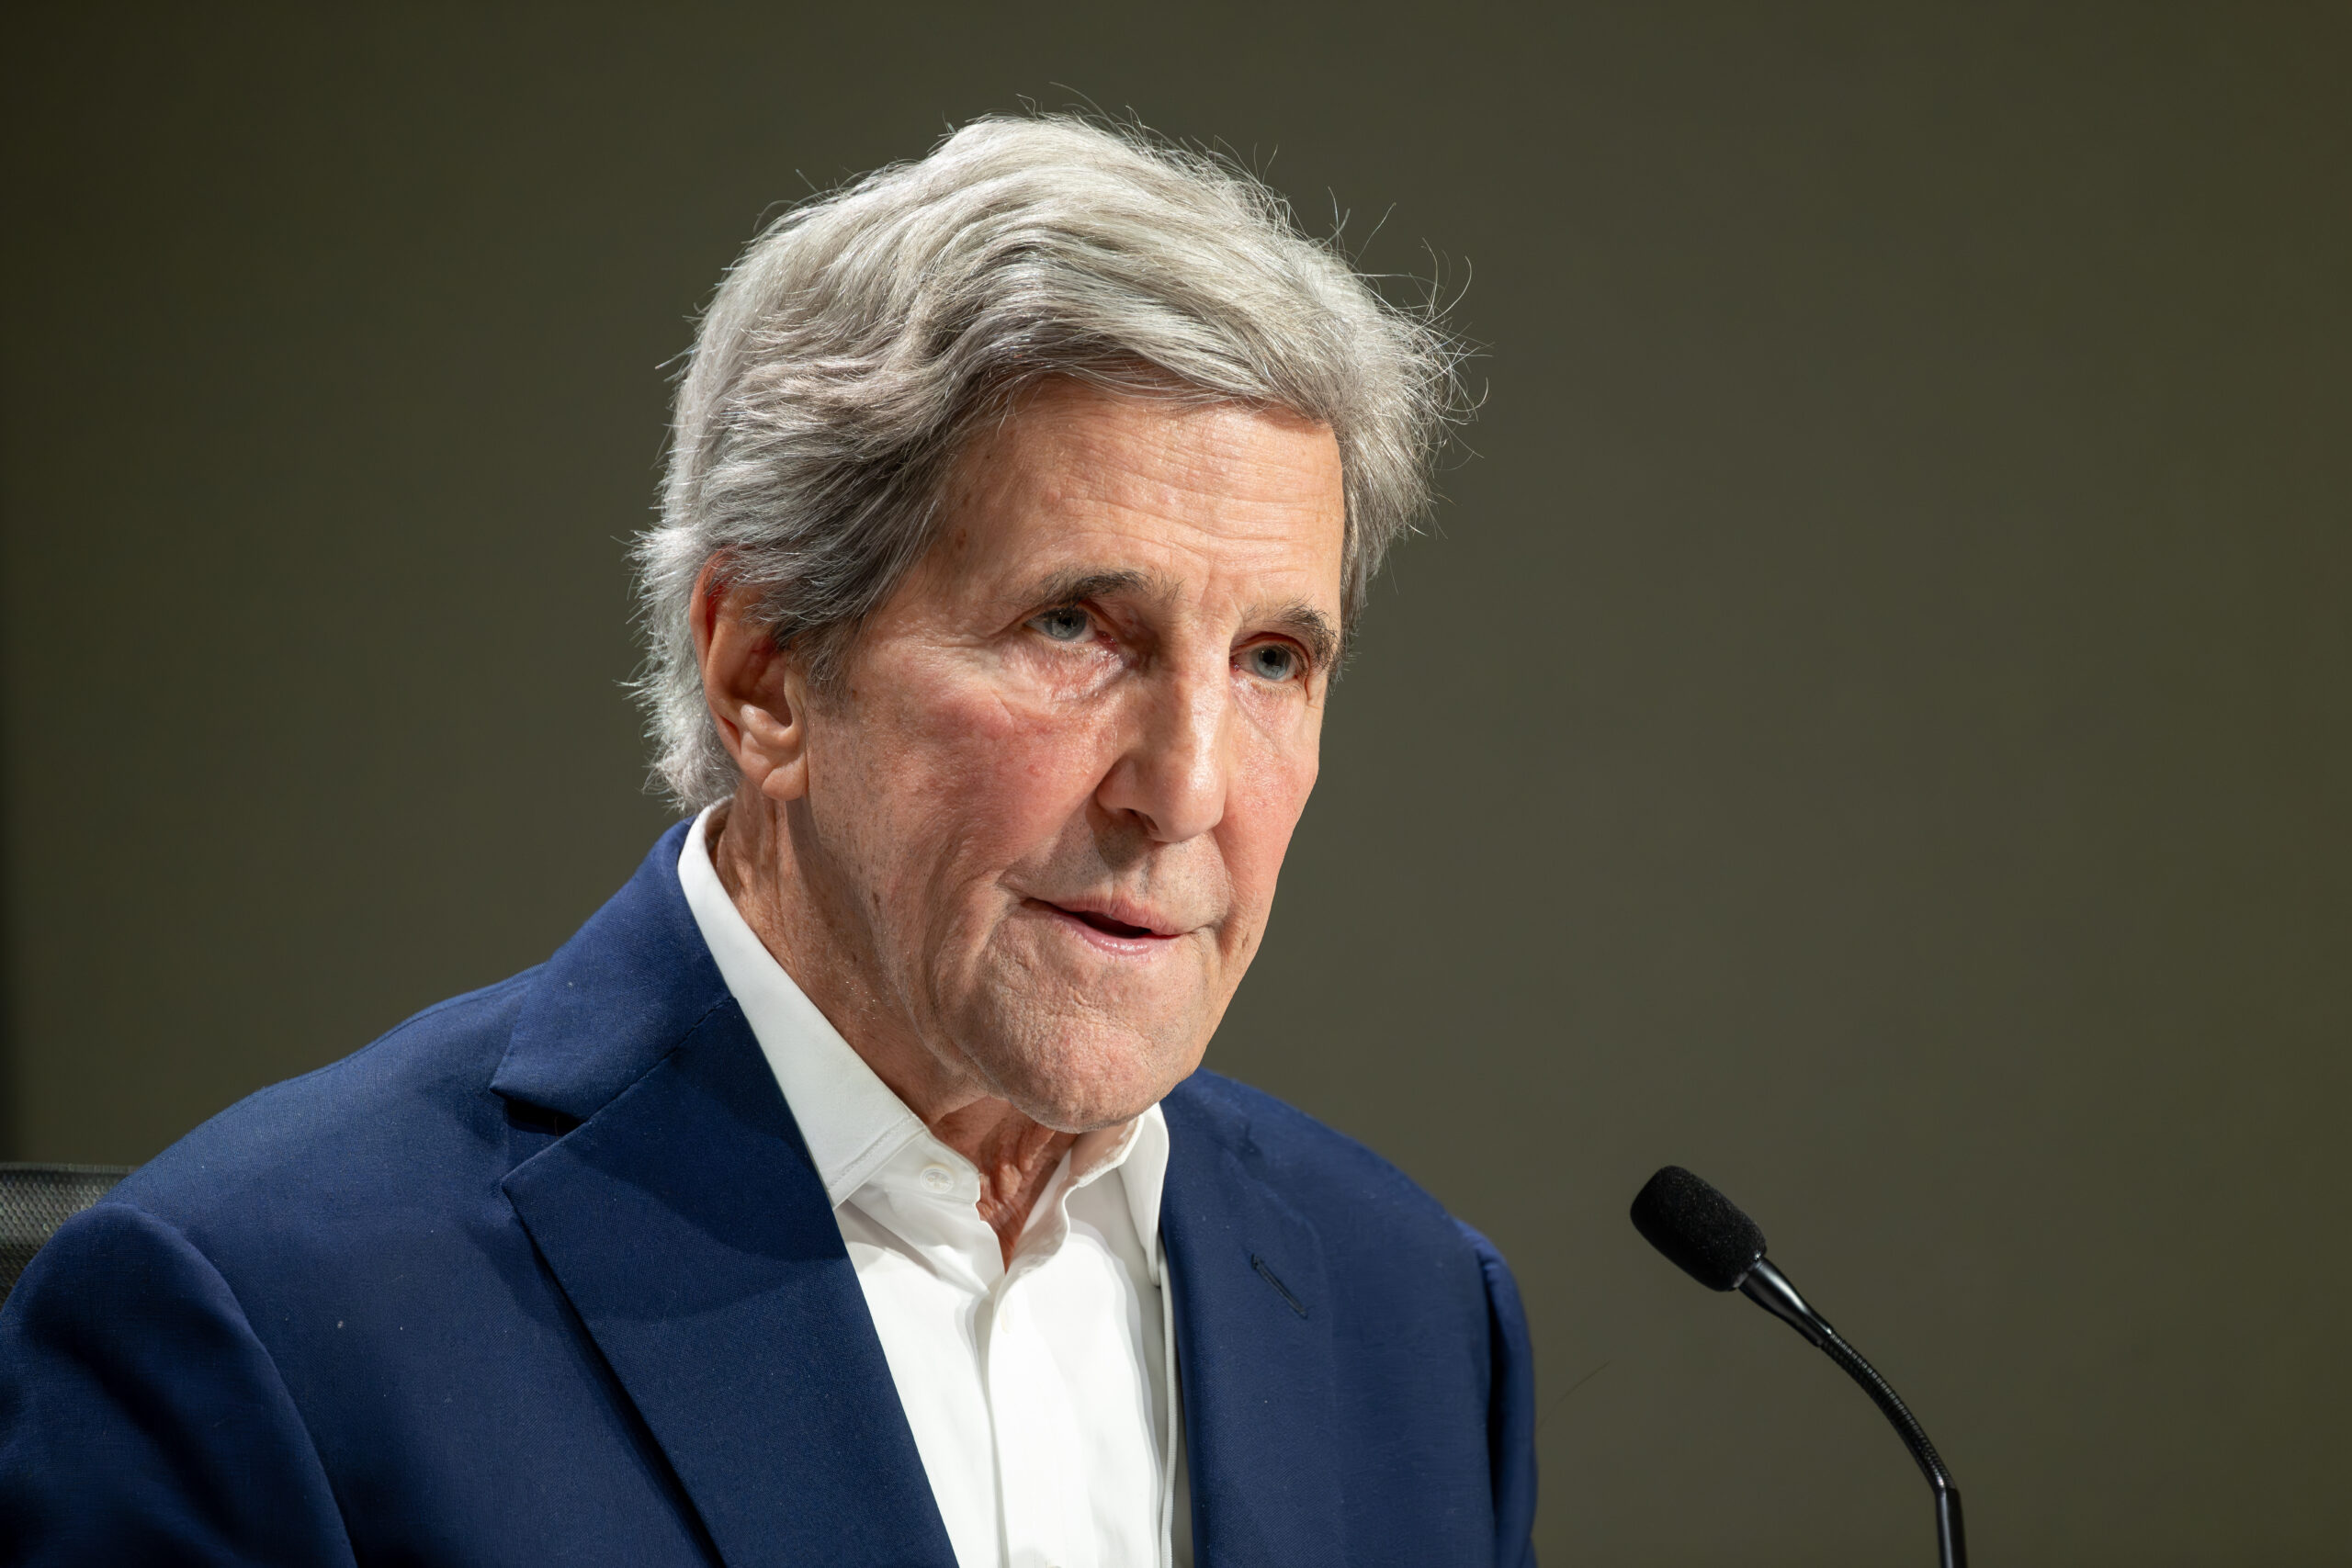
(1699, 1229)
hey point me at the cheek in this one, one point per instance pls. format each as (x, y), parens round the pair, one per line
(996, 777)
(1268, 795)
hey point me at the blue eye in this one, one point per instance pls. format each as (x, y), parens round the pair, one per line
(1271, 661)
(1067, 624)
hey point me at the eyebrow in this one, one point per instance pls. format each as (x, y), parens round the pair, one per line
(1303, 621)
(1071, 587)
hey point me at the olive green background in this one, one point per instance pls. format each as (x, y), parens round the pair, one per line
(1872, 721)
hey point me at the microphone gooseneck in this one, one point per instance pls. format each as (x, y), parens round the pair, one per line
(1705, 1234)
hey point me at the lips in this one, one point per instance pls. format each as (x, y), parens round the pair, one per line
(1116, 920)
(1108, 926)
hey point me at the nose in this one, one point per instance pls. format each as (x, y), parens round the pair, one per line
(1171, 777)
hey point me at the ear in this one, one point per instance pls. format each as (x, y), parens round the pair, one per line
(757, 691)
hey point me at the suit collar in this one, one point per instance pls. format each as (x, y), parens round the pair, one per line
(615, 998)
(1253, 1342)
(685, 1222)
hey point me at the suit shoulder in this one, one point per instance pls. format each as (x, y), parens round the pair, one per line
(398, 1101)
(1317, 1166)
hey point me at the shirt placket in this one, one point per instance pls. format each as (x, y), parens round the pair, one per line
(1047, 1516)
(1028, 1405)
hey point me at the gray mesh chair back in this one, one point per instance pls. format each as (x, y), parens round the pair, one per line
(36, 1198)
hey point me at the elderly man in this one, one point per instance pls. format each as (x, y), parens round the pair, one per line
(846, 1191)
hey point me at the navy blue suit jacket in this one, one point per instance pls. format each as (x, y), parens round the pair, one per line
(545, 1275)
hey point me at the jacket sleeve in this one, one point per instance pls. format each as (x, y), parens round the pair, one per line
(142, 1420)
(1510, 1409)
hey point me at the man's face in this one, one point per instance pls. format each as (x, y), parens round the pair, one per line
(1052, 801)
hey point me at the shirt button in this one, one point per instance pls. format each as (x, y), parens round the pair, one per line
(939, 1179)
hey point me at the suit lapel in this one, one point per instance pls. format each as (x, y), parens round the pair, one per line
(685, 1222)
(1253, 1341)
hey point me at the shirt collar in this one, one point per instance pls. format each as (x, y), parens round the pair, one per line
(1143, 1171)
(852, 1122)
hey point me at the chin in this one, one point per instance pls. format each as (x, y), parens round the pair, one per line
(1079, 1045)
(1075, 1076)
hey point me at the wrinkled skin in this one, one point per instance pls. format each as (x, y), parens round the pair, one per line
(1024, 855)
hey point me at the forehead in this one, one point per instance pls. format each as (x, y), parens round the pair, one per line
(1213, 499)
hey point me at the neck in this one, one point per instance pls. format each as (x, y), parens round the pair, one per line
(764, 859)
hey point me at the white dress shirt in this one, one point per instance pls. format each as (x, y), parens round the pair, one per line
(1042, 1395)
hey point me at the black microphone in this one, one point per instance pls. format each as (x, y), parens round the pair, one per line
(1708, 1238)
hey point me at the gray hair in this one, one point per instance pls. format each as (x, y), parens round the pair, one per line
(865, 334)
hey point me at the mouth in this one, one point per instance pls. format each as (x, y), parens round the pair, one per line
(1119, 927)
